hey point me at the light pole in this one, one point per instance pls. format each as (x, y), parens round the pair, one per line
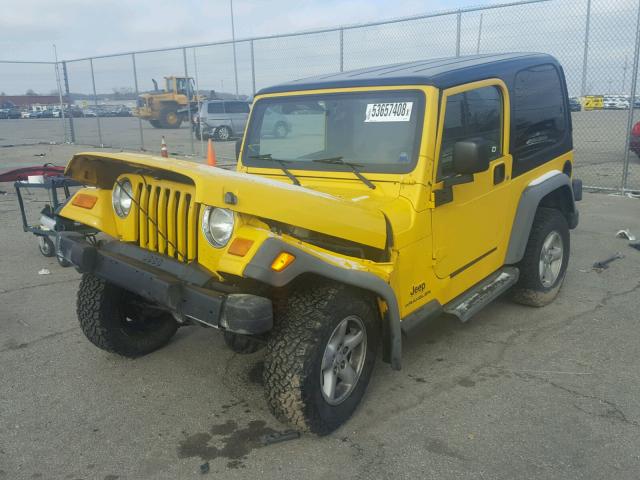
(233, 38)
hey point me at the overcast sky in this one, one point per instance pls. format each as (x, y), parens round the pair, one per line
(82, 28)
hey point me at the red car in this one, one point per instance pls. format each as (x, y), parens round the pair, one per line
(634, 144)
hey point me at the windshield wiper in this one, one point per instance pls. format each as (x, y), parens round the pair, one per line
(282, 163)
(353, 166)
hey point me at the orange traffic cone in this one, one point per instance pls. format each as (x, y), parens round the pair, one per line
(163, 149)
(211, 154)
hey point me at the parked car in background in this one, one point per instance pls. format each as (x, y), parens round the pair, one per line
(89, 113)
(221, 119)
(574, 104)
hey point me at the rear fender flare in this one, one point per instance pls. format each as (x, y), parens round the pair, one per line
(553, 189)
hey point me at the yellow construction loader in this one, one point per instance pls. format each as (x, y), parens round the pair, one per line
(168, 108)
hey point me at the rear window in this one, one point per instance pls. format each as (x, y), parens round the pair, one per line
(237, 107)
(215, 107)
(539, 111)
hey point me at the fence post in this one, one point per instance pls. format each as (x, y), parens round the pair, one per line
(253, 71)
(186, 74)
(135, 83)
(65, 77)
(95, 102)
(583, 86)
(195, 68)
(458, 32)
(233, 38)
(634, 81)
(342, 49)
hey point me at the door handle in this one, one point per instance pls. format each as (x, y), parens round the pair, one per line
(499, 173)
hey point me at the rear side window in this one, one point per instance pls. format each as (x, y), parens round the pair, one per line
(474, 114)
(237, 107)
(539, 111)
(215, 107)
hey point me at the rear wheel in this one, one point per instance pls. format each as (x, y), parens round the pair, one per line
(280, 130)
(119, 321)
(544, 265)
(223, 133)
(320, 357)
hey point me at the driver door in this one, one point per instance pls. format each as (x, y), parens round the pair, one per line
(469, 218)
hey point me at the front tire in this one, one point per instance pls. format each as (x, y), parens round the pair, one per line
(544, 265)
(320, 357)
(118, 321)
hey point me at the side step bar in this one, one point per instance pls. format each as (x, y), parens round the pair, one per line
(472, 301)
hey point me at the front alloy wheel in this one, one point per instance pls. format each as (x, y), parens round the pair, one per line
(320, 356)
(343, 360)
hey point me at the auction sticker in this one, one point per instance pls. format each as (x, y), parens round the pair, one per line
(388, 112)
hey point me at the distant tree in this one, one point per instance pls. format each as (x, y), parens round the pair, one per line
(122, 92)
(3, 94)
(31, 92)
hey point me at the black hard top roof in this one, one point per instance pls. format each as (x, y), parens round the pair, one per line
(439, 72)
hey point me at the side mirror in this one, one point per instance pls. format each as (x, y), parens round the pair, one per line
(471, 156)
(238, 147)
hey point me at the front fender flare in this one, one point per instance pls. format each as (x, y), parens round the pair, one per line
(259, 268)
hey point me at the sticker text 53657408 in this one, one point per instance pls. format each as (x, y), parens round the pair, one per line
(388, 112)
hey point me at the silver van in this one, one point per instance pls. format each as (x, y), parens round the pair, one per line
(221, 119)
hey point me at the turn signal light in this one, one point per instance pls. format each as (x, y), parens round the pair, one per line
(282, 261)
(83, 200)
(240, 247)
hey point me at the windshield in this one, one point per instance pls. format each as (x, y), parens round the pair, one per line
(377, 131)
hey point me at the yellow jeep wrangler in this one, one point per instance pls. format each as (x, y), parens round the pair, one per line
(400, 193)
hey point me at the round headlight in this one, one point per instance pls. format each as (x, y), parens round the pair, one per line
(121, 197)
(217, 225)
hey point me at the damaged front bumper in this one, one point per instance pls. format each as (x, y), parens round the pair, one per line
(187, 290)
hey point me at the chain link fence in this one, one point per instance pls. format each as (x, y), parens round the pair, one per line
(596, 41)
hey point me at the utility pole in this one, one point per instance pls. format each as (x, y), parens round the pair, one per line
(233, 38)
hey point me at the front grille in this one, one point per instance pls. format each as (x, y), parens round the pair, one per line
(170, 225)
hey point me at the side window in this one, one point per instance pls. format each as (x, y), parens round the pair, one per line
(471, 115)
(215, 107)
(538, 110)
(237, 107)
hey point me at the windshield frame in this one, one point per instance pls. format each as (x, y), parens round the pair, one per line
(310, 166)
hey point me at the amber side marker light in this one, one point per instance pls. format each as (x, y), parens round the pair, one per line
(240, 247)
(282, 261)
(83, 200)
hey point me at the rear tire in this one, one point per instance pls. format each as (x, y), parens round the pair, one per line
(155, 123)
(280, 130)
(544, 265)
(117, 321)
(301, 383)
(223, 134)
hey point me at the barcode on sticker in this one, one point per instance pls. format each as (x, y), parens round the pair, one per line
(388, 112)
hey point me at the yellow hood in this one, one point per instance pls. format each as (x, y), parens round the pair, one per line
(256, 195)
